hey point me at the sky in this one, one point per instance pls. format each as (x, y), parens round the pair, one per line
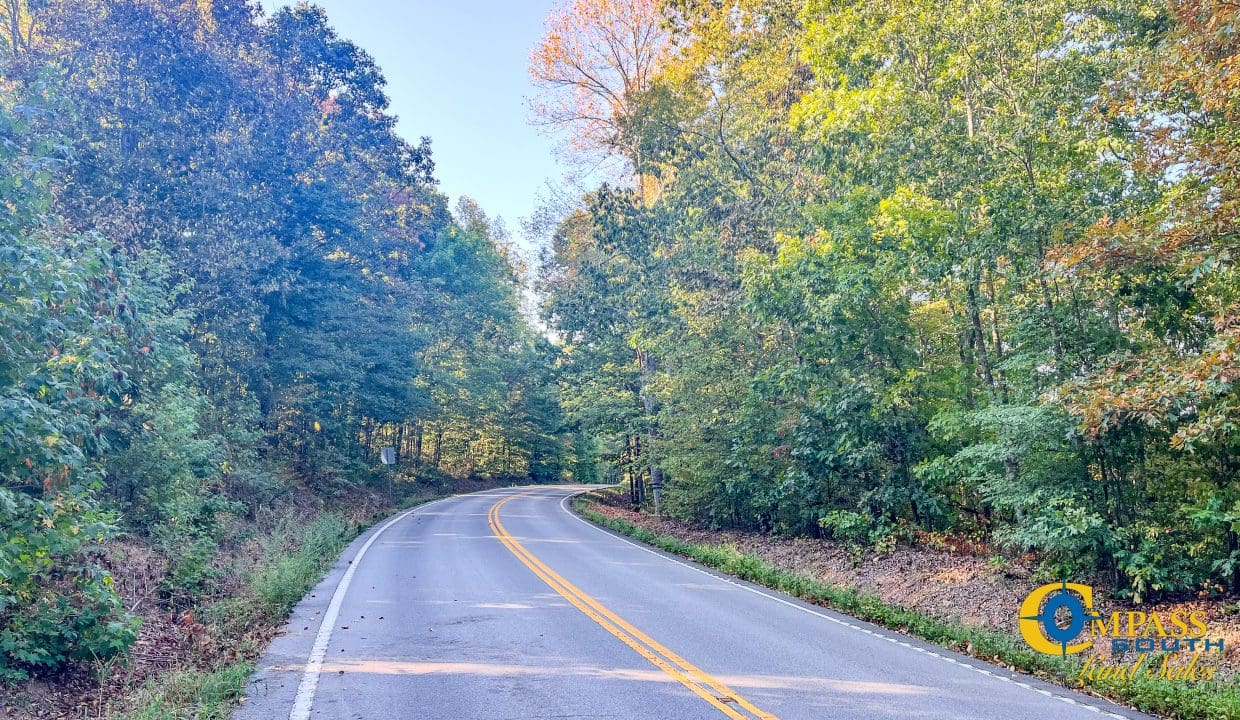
(457, 73)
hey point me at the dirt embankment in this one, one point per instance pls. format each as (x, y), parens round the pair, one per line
(961, 582)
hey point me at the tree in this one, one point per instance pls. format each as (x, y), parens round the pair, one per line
(596, 58)
(1171, 267)
(958, 267)
(72, 341)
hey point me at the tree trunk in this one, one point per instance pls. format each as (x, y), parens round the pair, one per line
(646, 365)
(979, 336)
(637, 473)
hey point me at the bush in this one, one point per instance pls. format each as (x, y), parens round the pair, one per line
(55, 605)
(189, 538)
(860, 531)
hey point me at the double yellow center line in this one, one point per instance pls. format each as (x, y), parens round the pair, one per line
(698, 681)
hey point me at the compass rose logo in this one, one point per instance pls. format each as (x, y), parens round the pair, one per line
(1039, 626)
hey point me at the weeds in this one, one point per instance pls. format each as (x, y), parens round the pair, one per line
(293, 558)
(1218, 700)
(202, 695)
(286, 578)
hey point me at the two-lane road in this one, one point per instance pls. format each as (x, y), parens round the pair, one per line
(504, 604)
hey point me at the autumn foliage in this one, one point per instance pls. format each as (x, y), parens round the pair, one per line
(964, 266)
(595, 58)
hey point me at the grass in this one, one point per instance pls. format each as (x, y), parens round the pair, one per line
(284, 581)
(1186, 701)
(294, 557)
(203, 695)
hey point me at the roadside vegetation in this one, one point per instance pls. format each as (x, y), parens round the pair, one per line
(1189, 701)
(225, 285)
(876, 269)
(291, 559)
(213, 645)
(865, 270)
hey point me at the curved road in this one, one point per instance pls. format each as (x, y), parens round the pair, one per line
(503, 604)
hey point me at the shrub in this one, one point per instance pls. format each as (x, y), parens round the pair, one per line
(859, 530)
(55, 605)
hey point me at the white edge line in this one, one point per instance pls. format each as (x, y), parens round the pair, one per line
(314, 664)
(802, 608)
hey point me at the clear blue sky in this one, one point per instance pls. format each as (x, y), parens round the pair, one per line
(457, 72)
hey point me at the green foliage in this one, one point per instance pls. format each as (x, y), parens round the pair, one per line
(225, 283)
(1199, 701)
(56, 605)
(859, 531)
(64, 362)
(893, 265)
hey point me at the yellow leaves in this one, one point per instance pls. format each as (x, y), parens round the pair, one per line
(794, 248)
(910, 218)
(825, 112)
(206, 13)
(317, 426)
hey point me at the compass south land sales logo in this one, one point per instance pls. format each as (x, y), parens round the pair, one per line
(1060, 619)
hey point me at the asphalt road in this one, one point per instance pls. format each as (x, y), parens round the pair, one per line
(504, 605)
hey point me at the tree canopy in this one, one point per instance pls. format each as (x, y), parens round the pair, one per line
(226, 280)
(894, 268)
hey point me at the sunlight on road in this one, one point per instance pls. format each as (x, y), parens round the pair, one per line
(496, 669)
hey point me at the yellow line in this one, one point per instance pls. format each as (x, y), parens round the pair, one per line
(677, 667)
(625, 637)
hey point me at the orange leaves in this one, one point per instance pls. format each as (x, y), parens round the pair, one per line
(329, 106)
(1184, 394)
(595, 55)
(1186, 120)
(1111, 243)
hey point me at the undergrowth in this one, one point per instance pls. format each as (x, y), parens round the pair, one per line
(1216, 700)
(293, 558)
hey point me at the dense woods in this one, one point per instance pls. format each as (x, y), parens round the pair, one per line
(870, 270)
(880, 269)
(224, 282)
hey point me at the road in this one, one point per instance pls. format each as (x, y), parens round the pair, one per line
(504, 604)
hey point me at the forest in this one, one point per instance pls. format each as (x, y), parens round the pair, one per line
(876, 270)
(872, 271)
(225, 282)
